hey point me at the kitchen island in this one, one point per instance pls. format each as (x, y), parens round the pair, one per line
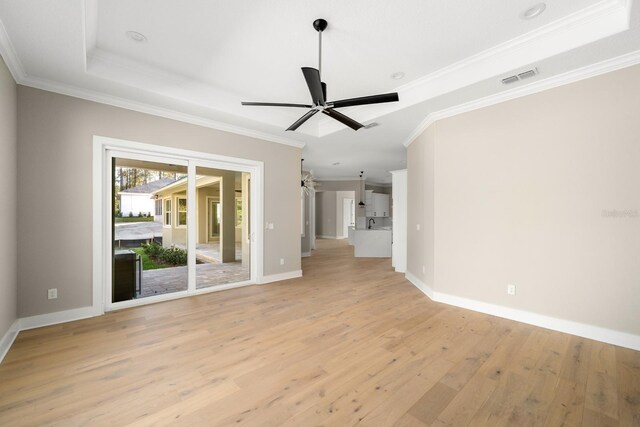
(375, 243)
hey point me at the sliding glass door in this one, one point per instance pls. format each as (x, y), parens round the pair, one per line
(177, 226)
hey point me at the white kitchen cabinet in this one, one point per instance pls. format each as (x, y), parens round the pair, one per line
(380, 205)
(368, 200)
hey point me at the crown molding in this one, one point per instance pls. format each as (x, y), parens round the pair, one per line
(140, 107)
(605, 18)
(585, 26)
(610, 65)
(16, 69)
(9, 55)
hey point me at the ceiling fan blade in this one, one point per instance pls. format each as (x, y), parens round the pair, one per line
(373, 99)
(302, 119)
(312, 76)
(343, 119)
(276, 104)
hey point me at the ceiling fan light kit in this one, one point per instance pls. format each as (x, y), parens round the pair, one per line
(318, 91)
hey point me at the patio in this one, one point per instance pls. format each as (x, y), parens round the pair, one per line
(167, 280)
(209, 270)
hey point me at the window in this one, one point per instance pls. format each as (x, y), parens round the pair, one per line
(182, 212)
(167, 212)
(158, 207)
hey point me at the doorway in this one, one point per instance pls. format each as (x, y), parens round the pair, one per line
(348, 215)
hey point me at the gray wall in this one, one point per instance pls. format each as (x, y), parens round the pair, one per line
(326, 213)
(54, 180)
(355, 186)
(542, 192)
(8, 189)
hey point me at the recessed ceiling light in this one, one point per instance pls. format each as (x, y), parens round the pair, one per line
(136, 36)
(371, 125)
(397, 76)
(533, 11)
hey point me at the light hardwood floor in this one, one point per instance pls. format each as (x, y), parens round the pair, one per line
(351, 342)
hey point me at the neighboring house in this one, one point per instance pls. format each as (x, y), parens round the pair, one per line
(140, 199)
(220, 216)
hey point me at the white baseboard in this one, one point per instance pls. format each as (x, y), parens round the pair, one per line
(8, 338)
(306, 254)
(281, 276)
(420, 285)
(58, 317)
(327, 237)
(610, 336)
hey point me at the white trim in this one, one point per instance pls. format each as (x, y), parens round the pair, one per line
(420, 285)
(9, 337)
(100, 171)
(327, 237)
(281, 276)
(306, 254)
(192, 222)
(593, 70)
(64, 316)
(10, 56)
(584, 330)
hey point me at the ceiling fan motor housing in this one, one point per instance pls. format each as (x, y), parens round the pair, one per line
(320, 25)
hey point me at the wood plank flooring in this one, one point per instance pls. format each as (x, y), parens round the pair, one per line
(350, 343)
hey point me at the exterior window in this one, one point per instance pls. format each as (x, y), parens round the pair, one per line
(158, 207)
(167, 212)
(182, 211)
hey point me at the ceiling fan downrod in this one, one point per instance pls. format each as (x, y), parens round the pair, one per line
(320, 25)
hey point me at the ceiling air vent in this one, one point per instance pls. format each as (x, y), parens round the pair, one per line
(520, 76)
(510, 79)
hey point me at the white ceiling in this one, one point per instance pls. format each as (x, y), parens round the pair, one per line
(203, 57)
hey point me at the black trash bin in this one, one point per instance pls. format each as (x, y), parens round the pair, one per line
(124, 275)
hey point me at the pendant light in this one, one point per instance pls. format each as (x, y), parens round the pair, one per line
(361, 204)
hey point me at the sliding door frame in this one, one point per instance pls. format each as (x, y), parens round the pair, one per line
(104, 149)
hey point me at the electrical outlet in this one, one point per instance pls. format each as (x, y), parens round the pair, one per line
(281, 261)
(424, 270)
(270, 226)
(511, 289)
(52, 293)
(418, 227)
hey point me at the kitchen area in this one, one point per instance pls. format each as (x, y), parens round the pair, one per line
(370, 216)
(371, 235)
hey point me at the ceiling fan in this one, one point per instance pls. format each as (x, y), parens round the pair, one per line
(318, 90)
